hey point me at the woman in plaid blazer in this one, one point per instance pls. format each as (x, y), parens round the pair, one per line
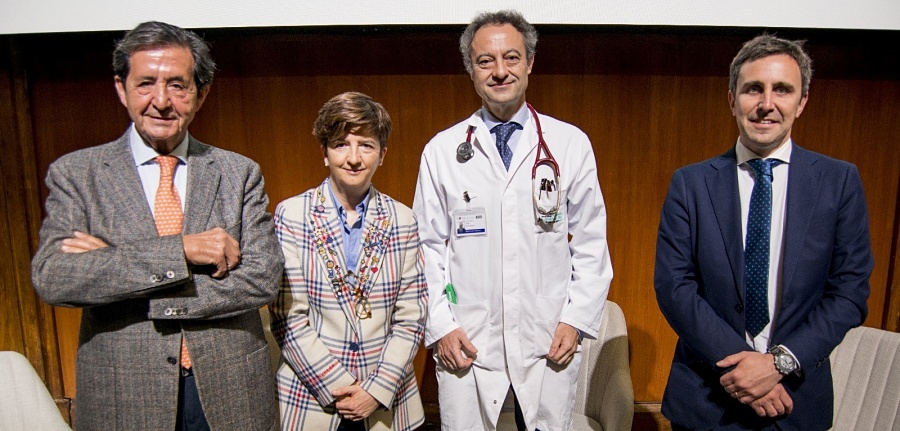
(351, 309)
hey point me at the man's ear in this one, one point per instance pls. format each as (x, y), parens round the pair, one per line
(802, 106)
(120, 90)
(731, 102)
(201, 97)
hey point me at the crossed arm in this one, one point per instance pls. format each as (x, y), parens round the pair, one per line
(214, 247)
(86, 260)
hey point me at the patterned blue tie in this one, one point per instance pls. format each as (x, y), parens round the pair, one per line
(756, 252)
(503, 132)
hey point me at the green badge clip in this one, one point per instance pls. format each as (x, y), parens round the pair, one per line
(451, 294)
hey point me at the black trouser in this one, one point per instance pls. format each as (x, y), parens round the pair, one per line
(348, 425)
(190, 411)
(520, 418)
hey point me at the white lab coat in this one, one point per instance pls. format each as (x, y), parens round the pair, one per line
(517, 282)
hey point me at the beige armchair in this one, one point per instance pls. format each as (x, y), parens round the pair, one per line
(866, 371)
(25, 403)
(604, 398)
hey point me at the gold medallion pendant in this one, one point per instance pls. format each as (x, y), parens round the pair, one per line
(363, 308)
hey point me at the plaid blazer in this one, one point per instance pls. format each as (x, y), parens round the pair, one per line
(325, 345)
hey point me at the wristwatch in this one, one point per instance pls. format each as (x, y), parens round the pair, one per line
(784, 361)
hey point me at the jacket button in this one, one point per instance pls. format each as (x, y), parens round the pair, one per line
(154, 278)
(172, 360)
(739, 308)
(170, 274)
(168, 312)
(354, 347)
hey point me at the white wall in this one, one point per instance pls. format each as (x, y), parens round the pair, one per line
(42, 16)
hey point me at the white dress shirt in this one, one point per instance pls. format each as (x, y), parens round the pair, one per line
(746, 179)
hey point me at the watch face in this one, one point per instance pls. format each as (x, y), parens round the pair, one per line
(785, 363)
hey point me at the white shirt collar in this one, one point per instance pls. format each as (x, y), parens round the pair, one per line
(144, 153)
(490, 120)
(783, 153)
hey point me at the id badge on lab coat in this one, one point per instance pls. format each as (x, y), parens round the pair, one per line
(470, 222)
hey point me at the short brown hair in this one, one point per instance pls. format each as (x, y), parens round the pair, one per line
(766, 45)
(352, 112)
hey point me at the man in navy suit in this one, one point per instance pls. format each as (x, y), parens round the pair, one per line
(762, 261)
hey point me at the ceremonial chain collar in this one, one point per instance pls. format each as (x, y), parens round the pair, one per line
(347, 281)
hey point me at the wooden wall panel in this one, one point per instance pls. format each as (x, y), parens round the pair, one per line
(651, 100)
(69, 115)
(892, 306)
(853, 121)
(27, 324)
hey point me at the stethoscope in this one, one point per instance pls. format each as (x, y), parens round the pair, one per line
(464, 152)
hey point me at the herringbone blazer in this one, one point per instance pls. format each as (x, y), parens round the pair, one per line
(325, 345)
(140, 296)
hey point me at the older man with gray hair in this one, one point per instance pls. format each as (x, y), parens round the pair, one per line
(166, 245)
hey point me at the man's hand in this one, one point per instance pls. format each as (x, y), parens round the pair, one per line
(81, 242)
(775, 403)
(455, 350)
(754, 375)
(213, 247)
(354, 403)
(564, 344)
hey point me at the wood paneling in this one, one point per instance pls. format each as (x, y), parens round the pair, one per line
(892, 305)
(651, 99)
(26, 325)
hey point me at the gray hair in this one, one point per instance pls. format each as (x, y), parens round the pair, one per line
(511, 17)
(155, 34)
(766, 45)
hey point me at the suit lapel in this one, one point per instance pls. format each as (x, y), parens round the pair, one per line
(802, 195)
(121, 176)
(328, 243)
(203, 184)
(374, 242)
(725, 201)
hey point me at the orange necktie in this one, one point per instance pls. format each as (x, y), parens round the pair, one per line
(169, 217)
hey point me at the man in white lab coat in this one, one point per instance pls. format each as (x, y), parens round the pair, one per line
(511, 296)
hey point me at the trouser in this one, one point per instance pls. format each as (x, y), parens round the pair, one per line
(190, 411)
(348, 425)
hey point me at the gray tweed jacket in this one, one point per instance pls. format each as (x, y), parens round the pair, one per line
(140, 296)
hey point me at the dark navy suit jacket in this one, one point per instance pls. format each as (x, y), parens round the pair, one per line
(827, 261)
